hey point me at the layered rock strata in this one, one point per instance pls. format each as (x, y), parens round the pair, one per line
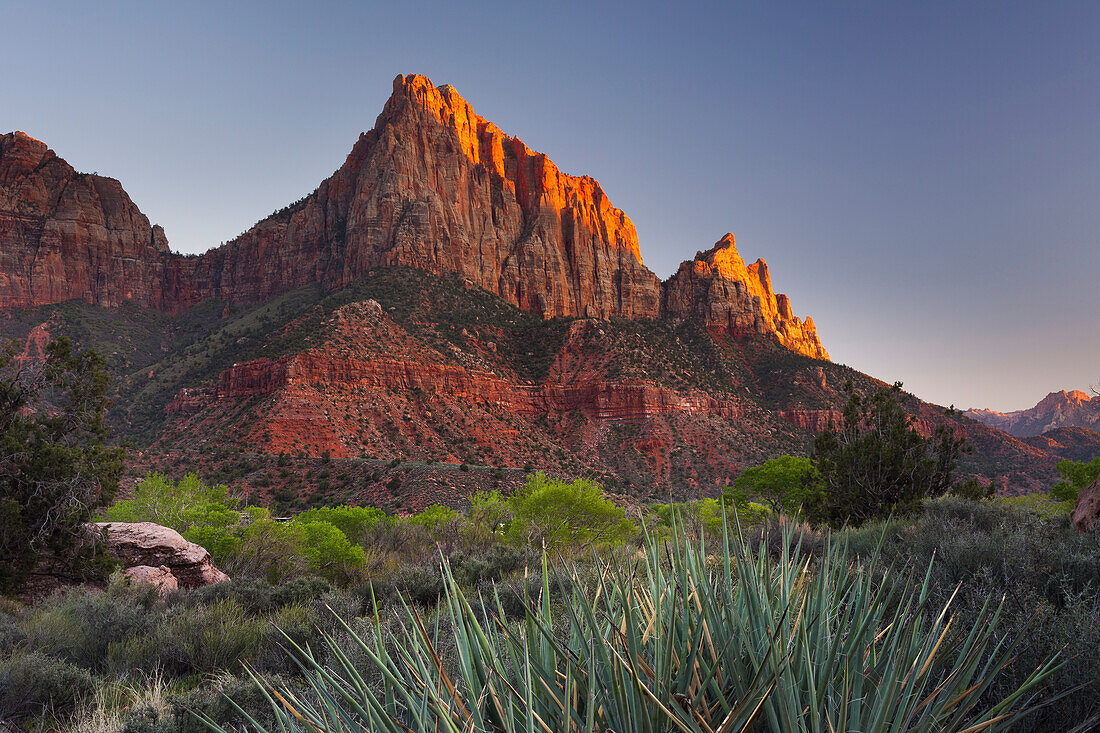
(605, 401)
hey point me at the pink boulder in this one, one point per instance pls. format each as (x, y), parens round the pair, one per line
(160, 578)
(148, 544)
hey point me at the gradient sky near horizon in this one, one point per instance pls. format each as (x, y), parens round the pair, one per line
(923, 178)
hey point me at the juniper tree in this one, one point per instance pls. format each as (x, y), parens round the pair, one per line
(56, 466)
(876, 463)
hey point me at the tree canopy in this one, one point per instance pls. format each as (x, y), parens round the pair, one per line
(57, 467)
(559, 512)
(783, 484)
(1076, 476)
(876, 462)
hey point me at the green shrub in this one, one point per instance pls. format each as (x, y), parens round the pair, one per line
(182, 505)
(258, 596)
(207, 639)
(876, 463)
(11, 633)
(58, 467)
(32, 684)
(421, 585)
(293, 623)
(218, 702)
(493, 565)
(353, 521)
(434, 518)
(1076, 475)
(785, 484)
(1047, 574)
(79, 625)
(557, 513)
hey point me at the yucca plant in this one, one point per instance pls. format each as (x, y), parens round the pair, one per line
(679, 641)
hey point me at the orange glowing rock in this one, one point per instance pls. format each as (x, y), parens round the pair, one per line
(432, 186)
(731, 298)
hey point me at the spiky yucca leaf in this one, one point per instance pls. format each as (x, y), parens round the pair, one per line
(744, 641)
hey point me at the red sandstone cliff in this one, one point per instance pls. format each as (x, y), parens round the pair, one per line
(431, 186)
(437, 187)
(68, 235)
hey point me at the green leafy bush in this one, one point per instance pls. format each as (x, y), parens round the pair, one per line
(558, 513)
(701, 514)
(784, 484)
(1076, 476)
(179, 505)
(353, 521)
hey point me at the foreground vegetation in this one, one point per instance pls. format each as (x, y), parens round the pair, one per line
(862, 588)
(138, 664)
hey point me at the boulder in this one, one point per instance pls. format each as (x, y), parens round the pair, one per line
(152, 545)
(160, 578)
(1086, 513)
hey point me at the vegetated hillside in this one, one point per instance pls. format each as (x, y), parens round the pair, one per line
(1075, 444)
(433, 373)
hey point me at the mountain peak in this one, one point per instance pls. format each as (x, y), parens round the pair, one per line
(730, 297)
(432, 186)
(1072, 408)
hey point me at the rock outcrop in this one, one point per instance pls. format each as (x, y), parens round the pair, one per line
(162, 579)
(1057, 410)
(150, 545)
(432, 186)
(730, 297)
(68, 235)
(1086, 513)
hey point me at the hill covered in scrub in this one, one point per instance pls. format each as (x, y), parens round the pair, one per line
(427, 371)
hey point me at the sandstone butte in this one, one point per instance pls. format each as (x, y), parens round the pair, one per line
(432, 186)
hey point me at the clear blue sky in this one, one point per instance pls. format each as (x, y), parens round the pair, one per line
(923, 178)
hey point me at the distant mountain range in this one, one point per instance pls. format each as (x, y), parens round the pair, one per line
(1057, 410)
(448, 299)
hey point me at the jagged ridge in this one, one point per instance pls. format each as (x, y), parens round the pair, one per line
(1057, 410)
(432, 186)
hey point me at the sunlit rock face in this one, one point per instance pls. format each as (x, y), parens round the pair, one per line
(432, 186)
(437, 187)
(730, 297)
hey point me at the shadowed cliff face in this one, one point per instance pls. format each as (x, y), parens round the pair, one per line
(432, 186)
(68, 235)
